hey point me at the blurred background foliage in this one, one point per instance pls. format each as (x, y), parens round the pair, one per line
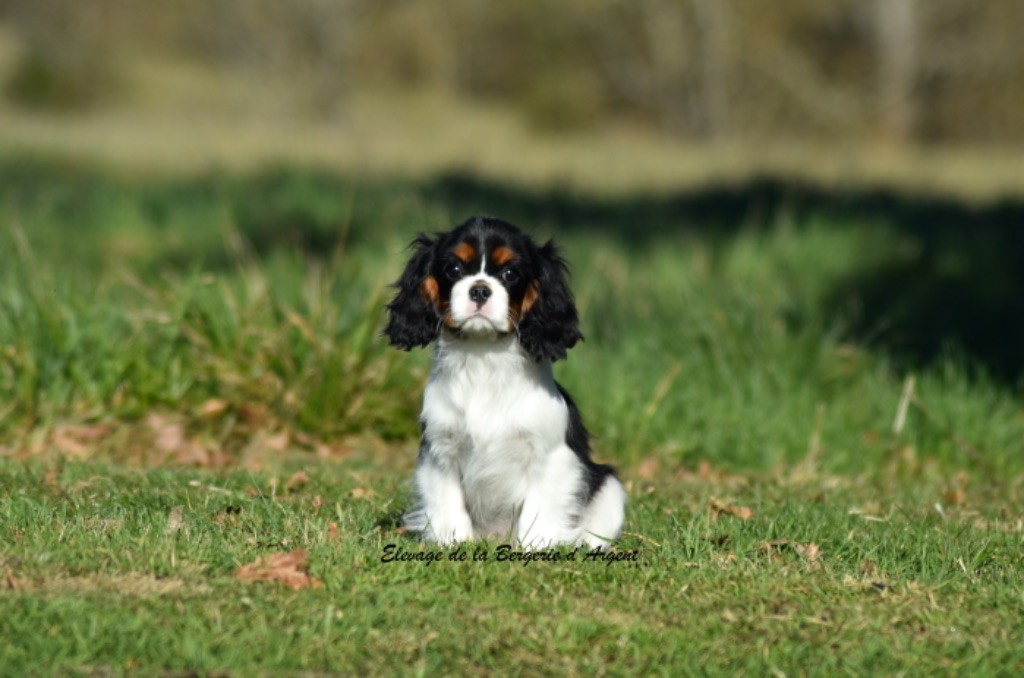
(903, 71)
(802, 202)
(622, 115)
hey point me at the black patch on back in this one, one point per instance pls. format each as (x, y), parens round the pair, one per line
(578, 439)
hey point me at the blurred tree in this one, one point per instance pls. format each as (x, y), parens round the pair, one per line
(714, 28)
(304, 43)
(667, 29)
(896, 31)
(65, 63)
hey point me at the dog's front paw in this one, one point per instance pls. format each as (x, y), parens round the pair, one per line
(540, 535)
(450, 530)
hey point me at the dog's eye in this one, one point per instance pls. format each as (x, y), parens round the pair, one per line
(510, 275)
(454, 271)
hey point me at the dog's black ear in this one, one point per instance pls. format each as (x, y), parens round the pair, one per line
(412, 315)
(550, 324)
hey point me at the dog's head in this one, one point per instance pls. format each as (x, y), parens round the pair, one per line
(483, 280)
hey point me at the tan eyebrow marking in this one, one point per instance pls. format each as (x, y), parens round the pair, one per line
(502, 255)
(465, 252)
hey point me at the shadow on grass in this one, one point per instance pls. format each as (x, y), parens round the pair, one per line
(955, 288)
(954, 280)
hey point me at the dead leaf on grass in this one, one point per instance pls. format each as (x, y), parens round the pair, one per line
(361, 493)
(191, 454)
(811, 552)
(168, 435)
(212, 408)
(262, 446)
(278, 442)
(298, 479)
(78, 440)
(253, 414)
(719, 507)
(648, 468)
(955, 496)
(291, 569)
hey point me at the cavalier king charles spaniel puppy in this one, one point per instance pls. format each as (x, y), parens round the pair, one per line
(504, 451)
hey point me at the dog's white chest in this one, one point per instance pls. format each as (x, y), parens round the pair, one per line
(484, 399)
(494, 418)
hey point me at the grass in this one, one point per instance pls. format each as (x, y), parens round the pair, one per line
(173, 352)
(98, 582)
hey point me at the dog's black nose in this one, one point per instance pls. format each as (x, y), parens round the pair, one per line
(479, 293)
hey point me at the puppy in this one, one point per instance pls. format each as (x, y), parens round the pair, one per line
(504, 452)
